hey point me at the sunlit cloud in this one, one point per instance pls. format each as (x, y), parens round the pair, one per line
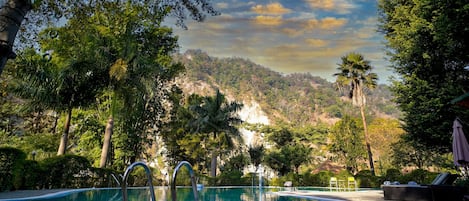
(332, 23)
(292, 32)
(326, 23)
(268, 20)
(316, 42)
(291, 36)
(340, 6)
(270, 9)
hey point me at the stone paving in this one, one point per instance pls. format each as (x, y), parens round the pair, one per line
(371, 195)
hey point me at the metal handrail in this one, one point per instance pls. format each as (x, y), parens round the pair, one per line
(126, 175)
(192, 175)
(115, 179)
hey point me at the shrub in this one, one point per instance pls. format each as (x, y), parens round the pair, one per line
(294, 178)
(277, 182)
(307, 179)
(419, 175)
(232, 178)
(67, 171)
(321, 178)
(11, 163)
(31, 176)
(392, 175)
(102, 177)
(366, 180)
(138, 177)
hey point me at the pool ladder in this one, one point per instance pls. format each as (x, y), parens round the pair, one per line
(126, 176)
(150, 183)
(192, 175)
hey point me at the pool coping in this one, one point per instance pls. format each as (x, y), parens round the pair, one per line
(322, 195)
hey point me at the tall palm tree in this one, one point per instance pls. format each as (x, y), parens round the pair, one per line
(217, 116)
(355, 72)
(50, 84)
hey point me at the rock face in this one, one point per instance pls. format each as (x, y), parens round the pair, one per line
(252, 113)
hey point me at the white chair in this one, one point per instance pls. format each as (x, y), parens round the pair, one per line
(333, 183)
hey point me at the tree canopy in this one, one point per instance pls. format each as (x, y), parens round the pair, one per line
(429, 50)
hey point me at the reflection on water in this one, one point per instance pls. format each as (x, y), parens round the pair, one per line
(183, 194)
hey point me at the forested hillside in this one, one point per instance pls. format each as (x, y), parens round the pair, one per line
(298, 99)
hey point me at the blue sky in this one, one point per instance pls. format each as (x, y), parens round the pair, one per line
(290, 36)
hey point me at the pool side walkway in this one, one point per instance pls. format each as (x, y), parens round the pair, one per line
(370, 195)
(28, 193)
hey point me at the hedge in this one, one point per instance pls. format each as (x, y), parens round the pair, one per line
(66, 171)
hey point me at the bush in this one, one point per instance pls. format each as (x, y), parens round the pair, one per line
(307, 179)
(67, 171)
(102, 177)
(321, 178)
(392, 175)
(138, 177)
(420, 176)
(11, 164)
(366, 180)
(31, 176)
(234, 178)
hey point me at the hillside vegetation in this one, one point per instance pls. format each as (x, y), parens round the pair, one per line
(298, 99)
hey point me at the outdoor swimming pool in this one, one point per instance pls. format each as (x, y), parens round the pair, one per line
(163, 194)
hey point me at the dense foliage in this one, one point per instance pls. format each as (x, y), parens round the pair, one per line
(301, 99)
(109, 70)
(428, 45)
(356, 74)
(348, 143)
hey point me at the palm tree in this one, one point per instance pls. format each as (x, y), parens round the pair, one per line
(355, 72)
(50, 84)
(217, 116)
(42, 13)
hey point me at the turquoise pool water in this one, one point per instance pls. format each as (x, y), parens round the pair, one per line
(163, 194)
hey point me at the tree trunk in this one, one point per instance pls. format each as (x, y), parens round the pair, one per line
(213, 164)
(64, 138)
(107, 142)
(11, 16)
(367, 141)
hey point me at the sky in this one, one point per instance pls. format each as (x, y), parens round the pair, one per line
(291, 36)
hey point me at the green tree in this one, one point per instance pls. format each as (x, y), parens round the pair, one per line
(384, 133)
(217, 116)
(45, 12)
(56, 84)
(136, 56)
(355, 73)
(347, 142)
(174, 131)
(429, 50)
(291, 148)
(256, 155)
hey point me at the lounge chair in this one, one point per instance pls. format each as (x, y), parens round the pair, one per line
(441, 188)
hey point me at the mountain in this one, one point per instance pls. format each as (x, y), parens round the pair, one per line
(271, 97)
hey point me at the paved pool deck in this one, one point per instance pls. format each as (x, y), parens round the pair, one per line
(371, 195)
(28, 193)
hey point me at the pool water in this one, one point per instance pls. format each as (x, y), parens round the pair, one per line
(163, 194)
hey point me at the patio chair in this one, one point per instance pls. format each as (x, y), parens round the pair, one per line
(333, 182)
(351, 182)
